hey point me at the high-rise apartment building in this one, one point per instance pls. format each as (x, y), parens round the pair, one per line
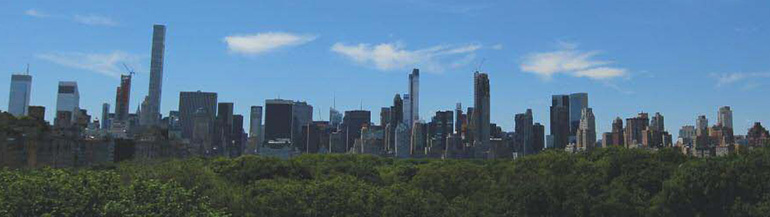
(105, 120)
(352, 124)
(414, 94)
(524, 137)
(122, 97)
(189, 104)
(702, 125)
(223, 128)
(407, 111)
(538, 137)
(481, 112)
(151, 115)
(560, 122)
(586, 135)
(725, 117)
(634, 129)
(18, 101)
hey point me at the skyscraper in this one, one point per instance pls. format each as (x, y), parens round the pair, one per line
(538, 136)
(702, 125)
(152, 112)
(385, 116)
(284, 120)
(68, 98)
(524, 137)
(335, 118)
(634, 129)
(352, 124)
(122, 98)
(657, 123)
(190, 103)
(255, 126)
(577, 102)
(481, 111)
(586, 135)
(560, 125)
(105, 116)
(725, 117)
(223, 128)
(407, 111)
(18, 101)
(617, 138)
(414, 94)
(278, 119)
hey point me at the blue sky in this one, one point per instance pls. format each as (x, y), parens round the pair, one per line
(678, 57)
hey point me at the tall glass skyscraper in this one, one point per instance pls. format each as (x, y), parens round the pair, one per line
(18, 101)
(577, 102)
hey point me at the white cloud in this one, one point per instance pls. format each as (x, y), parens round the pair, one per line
(264, 42)
(569, 60)
(497, 47)
(109, 64)
(36, 13)
(395, 56)
(94, 20)
(732, 78)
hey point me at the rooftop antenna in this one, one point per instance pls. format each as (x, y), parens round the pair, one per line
(27, 68)
(320, 115)
(361, 105)
(478, 68)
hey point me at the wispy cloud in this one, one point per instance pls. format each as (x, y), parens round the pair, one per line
(109, 64)
(94, 20)
(395, 56)
(470, 8)
(497, 47)
(727, 79)
(90, 19)
(570, 61)
(36, 13)
(259, 43)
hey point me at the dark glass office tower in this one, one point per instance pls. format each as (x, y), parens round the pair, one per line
(278, 119)
(189, 103)
(560, 123)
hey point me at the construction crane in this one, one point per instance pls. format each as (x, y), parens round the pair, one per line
(478, 68)
(130, 70)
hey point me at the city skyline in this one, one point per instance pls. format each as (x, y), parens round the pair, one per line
(515, 84)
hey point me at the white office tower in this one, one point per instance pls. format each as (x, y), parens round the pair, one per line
(18, 101)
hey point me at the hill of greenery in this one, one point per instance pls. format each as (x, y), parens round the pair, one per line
(605, 182)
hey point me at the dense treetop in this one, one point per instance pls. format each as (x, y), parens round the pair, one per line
(605, 182)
